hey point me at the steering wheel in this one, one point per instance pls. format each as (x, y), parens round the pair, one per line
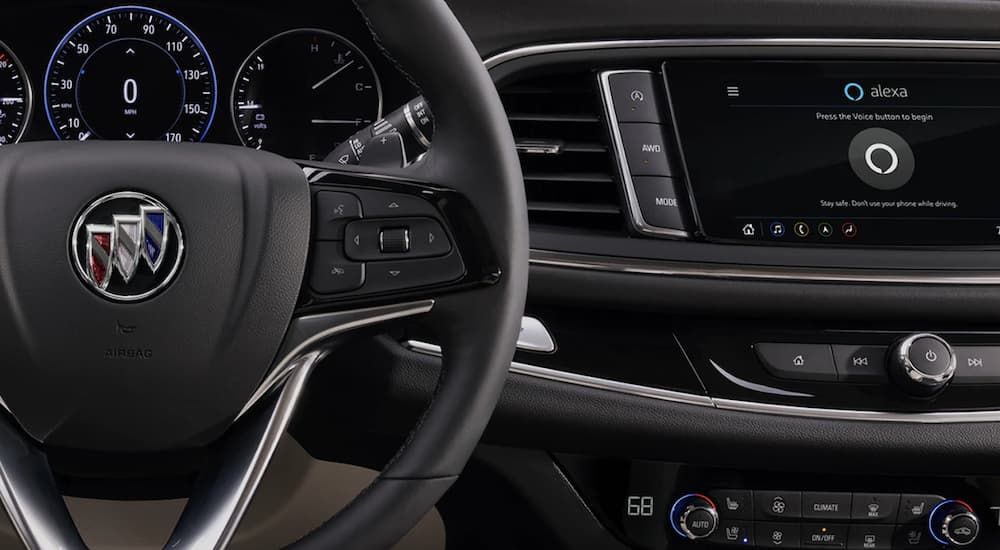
(161, 297)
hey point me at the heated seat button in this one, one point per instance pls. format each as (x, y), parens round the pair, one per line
(915, 508)
(870, 537)
(635, 97)
(645, 149)
(826, 505)
(733, 504)
(733, 533)
(333, 210)
(798, 361)
(332, 271)
(778, 535)
(977, 365)
(914, 537)
(824, 535)
(658, 202)
(860, 364)
(875, 507)
(777, 505)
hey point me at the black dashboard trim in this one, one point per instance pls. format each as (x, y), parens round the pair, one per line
(909, 275)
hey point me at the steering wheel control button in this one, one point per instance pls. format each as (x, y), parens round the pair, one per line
(733, 504)
(645, 149)
(333, 210)
(922, 364)
(881, 158)
(405, 274)
(127, 246)
(870, 537)
(382, 204)
(778, 535)
(777, 505)
(635, 96)
(977, 365)
(860, 364)
(874, 507)
(395, 238)
(798, 361)
(733, 533)
(332, 272)
(658, 202)
(826, 505)
(914, 508)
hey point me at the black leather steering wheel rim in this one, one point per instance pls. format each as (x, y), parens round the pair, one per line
(473, 151)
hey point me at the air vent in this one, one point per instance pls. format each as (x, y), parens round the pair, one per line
(561, 140)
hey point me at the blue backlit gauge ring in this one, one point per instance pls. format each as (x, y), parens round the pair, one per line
(680, 505)
(936, 517)
(854, 91)
(130, 73)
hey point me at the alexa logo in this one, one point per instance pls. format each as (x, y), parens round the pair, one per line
(854, 91)
(127, 246)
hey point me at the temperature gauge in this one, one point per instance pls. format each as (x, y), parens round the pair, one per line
(303, 92)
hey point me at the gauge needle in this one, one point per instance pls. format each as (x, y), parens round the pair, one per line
(333, 74)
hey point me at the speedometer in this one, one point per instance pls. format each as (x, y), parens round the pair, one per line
(130, 73)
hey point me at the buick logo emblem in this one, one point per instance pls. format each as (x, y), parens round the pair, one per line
(127, 246)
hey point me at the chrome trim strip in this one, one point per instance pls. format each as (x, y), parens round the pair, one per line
(867, 416)
(214, 512)
(758, 272)
(731, 404)
(563, 47)
(631, 198)
(752, 386)
(582, 380)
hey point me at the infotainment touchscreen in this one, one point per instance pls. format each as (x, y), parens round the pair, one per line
(844, 153)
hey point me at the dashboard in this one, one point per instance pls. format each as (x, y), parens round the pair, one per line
(248, 74)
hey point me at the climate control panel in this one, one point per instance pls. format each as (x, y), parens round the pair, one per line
(838, 520)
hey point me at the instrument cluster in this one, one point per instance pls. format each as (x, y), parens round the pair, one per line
(296, 79)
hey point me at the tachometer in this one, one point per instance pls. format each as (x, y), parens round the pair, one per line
(303, 92)
(130, 73)
(15, 97)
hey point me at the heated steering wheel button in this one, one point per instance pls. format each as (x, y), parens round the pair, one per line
(332, 272)
(333, 210)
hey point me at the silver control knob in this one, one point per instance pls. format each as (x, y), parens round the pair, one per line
(699, 521)
(922, 364)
